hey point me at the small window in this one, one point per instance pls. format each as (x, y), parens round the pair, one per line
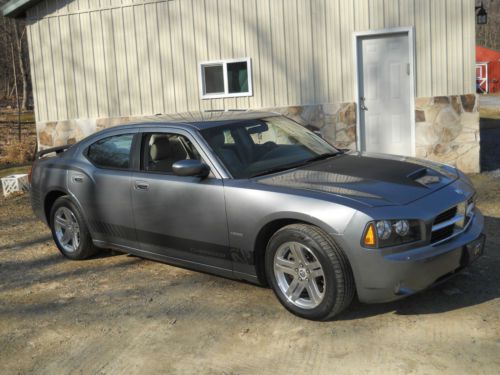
(112, 152)
(225, 78)
(162, 150)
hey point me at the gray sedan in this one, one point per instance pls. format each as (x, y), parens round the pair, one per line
(257, 197)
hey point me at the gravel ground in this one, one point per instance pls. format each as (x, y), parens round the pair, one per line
(122, 314)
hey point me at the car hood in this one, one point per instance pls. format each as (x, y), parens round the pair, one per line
(371, 179)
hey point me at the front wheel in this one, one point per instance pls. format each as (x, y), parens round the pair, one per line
(69, 230)
(308, 272)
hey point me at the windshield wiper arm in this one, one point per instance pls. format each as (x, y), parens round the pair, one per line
(322, 156)
(277, 169)
(295, 165)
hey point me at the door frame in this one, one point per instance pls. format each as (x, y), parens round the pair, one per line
(357, 36)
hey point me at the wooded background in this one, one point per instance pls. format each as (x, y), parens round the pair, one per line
(489, 35)
(15, 84)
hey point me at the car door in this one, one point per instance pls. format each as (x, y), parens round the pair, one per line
(182, 219)
(101, 183)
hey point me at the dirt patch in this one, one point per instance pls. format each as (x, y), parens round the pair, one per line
(122, 314)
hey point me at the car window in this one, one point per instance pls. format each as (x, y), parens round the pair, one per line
(271, 132)
(112, 152)
(255, 147)
(161, 150)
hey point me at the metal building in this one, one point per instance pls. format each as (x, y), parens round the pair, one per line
(394, 76)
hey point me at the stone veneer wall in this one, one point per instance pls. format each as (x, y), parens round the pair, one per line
(447, 128)
(335, 122)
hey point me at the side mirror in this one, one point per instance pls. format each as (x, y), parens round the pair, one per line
(191, 167)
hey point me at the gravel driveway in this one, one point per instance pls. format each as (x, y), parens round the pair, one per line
(122, 314)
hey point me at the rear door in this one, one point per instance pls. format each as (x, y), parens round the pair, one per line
(181, 219)
(101, 183)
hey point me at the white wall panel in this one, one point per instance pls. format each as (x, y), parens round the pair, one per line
(107, 58)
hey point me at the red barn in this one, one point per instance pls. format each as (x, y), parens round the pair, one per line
(487, 70)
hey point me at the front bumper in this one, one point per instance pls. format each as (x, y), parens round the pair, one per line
(394, 276)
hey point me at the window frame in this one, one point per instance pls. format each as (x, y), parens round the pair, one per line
(131, 157)
(226, 93)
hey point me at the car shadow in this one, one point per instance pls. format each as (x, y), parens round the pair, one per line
(477, 284)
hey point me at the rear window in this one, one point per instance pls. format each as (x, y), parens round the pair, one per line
(112, 152)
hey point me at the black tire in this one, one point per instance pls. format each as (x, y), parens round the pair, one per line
(339, 287)
(85, 248)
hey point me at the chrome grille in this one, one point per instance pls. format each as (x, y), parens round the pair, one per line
(452, 222)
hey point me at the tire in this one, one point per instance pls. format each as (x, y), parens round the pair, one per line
(308, 272)
(69, 230)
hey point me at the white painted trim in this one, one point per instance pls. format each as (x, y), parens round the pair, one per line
(411, 52)
(226, 93)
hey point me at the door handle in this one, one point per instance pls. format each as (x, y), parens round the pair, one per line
(77, 178)
(362, 103)
(141, 185)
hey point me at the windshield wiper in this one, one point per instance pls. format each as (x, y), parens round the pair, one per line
(295, 165)
(322, 156)
(277, 169)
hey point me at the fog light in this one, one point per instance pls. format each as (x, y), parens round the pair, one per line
(401, 227)
(384, 229)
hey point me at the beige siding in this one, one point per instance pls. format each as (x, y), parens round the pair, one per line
(110, 58)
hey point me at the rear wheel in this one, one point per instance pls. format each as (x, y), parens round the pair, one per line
(308, 272)
(70, 231)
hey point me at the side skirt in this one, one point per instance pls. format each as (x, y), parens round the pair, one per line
(177, 262)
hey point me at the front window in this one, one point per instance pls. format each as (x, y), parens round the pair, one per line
(161, 150)
(256, 147)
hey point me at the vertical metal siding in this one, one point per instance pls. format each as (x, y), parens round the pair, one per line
(107, 58)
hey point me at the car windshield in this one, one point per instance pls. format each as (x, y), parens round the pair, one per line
(252, 148)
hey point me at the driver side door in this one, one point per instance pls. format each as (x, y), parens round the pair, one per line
(179, 219)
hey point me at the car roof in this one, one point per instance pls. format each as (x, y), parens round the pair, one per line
(197, 120)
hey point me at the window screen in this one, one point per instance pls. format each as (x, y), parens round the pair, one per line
(214, 79)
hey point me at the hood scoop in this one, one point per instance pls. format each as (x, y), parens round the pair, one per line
(425, 177)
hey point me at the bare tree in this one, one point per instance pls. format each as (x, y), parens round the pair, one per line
(14, 61)
(21, 59)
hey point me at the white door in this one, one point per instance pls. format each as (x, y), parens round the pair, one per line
(385, 94)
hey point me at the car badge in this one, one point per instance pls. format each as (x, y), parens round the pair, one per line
(459, 191)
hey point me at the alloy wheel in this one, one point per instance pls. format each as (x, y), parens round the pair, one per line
(299, 275)
(67, 229)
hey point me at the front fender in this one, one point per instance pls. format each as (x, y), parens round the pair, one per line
(251, 210)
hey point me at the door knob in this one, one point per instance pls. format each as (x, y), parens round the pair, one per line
(141, 185)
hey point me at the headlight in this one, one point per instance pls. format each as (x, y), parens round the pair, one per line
(384, 233)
